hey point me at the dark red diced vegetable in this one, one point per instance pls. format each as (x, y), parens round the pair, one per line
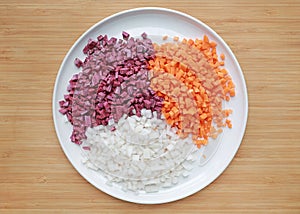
(78, 63)
(125, 35)
(144, 35)
(100, 37)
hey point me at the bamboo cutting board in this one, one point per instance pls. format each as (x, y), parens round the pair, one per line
(35, 175)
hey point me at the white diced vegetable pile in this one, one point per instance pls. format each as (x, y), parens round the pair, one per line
(141, 154)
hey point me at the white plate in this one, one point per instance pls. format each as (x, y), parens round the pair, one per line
(156, 22)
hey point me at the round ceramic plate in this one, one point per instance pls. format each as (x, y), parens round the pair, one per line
(156, 22)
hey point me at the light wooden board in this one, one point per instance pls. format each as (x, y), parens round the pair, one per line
(35, 175)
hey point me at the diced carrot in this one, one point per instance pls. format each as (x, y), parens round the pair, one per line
(198, 41)
(228, 123)
(222, 56)
(230, 84)
(190, 42)
(232, 92)
(208, 83)
(213, 44)
(224, 71)
(205, 39)
(226, 112)
(203, 116)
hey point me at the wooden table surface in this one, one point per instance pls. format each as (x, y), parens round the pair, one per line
(35, 175)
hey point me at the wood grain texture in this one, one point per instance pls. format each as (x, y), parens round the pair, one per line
(35, 175)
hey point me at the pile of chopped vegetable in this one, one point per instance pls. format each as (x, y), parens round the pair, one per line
(138, 108)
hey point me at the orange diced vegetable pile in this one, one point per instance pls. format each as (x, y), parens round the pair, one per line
(193, 82)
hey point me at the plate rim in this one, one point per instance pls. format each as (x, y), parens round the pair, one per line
(243, 84)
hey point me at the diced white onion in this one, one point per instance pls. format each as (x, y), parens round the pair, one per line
(139, 154)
